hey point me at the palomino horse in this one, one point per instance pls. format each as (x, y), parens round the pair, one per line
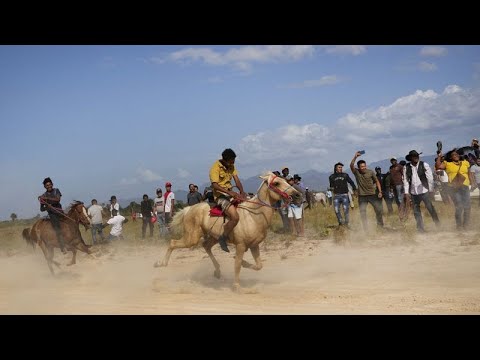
(43, 234)
(321, 198)
(255, 218)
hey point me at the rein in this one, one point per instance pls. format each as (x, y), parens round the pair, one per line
(274, 189)
(57, 211)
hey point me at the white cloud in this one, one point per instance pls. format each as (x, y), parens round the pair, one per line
(346, 49)
(143, 176)
(183, 174)
(147, 175)
(324, 80)
(433, 51)
(414, 121)
(426, 66)
(242, 57)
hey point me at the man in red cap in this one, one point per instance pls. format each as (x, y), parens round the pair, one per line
(169, 203)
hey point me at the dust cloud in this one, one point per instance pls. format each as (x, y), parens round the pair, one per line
(348, 273)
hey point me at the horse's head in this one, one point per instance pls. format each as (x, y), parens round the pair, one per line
(79, 213)
(278, 187)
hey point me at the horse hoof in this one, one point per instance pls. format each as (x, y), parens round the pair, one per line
(217, 274)
(237, 288)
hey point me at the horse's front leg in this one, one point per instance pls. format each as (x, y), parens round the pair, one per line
(74, 251)
(240, 250)
(256, 256)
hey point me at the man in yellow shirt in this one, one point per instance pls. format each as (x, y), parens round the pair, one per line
(221, 174)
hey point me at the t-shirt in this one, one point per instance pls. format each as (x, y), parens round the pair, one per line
(194, 198)
(168, 201)
(452, 170)
(49, 195)
(116, 223)
(95, 211)
(396, 174)
(159, 204)
(116, 207)
(222, 176)
(367, 182)
(475, 169)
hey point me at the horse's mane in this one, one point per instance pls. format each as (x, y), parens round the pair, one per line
(72, 206)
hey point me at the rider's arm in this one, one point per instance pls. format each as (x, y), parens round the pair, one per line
(239, 184)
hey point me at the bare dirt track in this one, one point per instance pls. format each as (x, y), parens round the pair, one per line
(386, 274)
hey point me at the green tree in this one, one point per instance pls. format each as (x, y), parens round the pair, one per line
(13, 216)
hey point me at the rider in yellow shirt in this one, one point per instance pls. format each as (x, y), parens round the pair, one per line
(221, 174)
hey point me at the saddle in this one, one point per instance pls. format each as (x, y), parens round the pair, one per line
(217, 211)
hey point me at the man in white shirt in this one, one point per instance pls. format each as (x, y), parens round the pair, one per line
(158, 204)
(114, 205)
(95, 214)
(117, 222)
(418, 183)
(169, 203)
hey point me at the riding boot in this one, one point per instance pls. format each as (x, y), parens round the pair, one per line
(222, 240)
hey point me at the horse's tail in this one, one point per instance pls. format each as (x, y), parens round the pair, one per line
(27, 237)
(177, 222)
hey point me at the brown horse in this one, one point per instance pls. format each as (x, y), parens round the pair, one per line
(255, 218)
(43, 234)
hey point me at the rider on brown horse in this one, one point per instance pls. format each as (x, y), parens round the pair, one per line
(50, 202)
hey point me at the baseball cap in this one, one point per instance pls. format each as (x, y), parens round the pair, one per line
(168, 184)
(475, 140)
(285, 167)
(113, 197)
(289, 177)
(393, 158)
(159, 190)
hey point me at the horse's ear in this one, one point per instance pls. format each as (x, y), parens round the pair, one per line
(265, 176)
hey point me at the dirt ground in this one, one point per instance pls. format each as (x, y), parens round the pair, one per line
(392, 273)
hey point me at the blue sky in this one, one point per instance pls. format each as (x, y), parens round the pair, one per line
(103, 120)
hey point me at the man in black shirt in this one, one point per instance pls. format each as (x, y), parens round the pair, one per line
(50, 202)
(339, 185)
(146, 208)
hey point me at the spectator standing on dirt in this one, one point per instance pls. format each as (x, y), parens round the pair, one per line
(367, 183)
(418, 184)
(146, 208)
(95, 214)
(339, 182)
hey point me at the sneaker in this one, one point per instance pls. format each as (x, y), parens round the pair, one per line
(222, 240)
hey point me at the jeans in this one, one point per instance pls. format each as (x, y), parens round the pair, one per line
(97, 228)
(461, 199)
(345, 201)
(417, 199)
(146, 220)
(363, 200)
(398, 193)
(161, 224)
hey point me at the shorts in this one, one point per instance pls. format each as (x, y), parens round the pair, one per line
(224, 202)
(295, 211)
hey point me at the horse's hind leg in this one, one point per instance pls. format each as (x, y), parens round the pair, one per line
(256, 256)
(194, 237)
(174, 244)
(43, 246)
(74, 257)
(207, 245)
